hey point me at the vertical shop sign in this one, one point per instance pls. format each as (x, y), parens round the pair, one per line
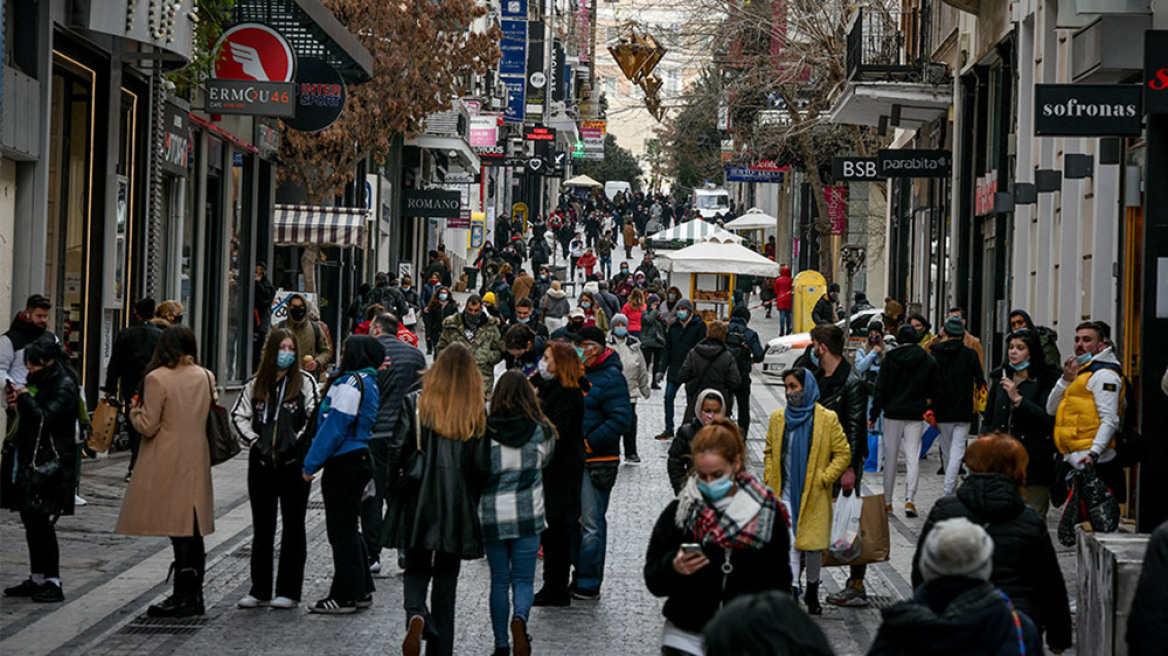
(537, 80)
(837, 208)
(513, 47)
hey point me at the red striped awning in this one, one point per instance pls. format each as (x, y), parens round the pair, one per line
(301, 225)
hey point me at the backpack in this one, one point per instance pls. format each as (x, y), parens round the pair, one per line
(736, 342)
(1129, 443)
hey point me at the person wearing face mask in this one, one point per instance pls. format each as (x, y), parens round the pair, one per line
(825, 307)
(628, 347)
(543, 282)
(441, 306)
(560, 384)
(311, 341)
(653, 327)
(271, 416)
(806, 452)
(594, 313)
(669, 306)
(1087, 403)
(477, 331)
(680, 338)
(720, 539)
(710, 406)
(953, 398)
(576, 250)
(575, 323)
(616, 280)
(607, 415)
(523, 349)
(525, 316)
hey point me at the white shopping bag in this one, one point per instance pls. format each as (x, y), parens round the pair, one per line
(845, 527)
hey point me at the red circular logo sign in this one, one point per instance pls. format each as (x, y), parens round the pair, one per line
(252, 51)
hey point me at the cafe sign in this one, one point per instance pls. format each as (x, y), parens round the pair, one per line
(253, 73)
(1088, 110)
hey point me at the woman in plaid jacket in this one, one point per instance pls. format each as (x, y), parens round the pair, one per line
(512, 507)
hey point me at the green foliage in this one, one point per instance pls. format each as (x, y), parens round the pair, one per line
(618, 164)
(213, 16)
(692, 143)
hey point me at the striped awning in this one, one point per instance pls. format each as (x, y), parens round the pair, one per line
(691, 232)
(301, 225)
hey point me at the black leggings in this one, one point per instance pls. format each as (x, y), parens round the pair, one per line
(44, 556)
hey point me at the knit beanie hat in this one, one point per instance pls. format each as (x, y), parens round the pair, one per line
(954, 326)
(619, 318)
(907, 335)
(489, 297)
(957, 547)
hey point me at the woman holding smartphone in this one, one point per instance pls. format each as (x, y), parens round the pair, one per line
(720, 539)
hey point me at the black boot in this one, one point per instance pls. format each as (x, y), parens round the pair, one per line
(187, 600)
(656, 381)
(812, 599)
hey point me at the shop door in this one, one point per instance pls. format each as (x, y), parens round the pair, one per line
(67, 251)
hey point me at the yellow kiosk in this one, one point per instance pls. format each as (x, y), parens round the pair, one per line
(808, 287)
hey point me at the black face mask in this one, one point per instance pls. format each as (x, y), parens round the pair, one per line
(473, 320)
(40, 376)
(298, 313)
(576, 325)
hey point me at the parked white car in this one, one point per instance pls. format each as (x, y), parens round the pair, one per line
(781, 352)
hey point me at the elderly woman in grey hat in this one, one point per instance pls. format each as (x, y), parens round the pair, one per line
(636, 373)
(957, 610)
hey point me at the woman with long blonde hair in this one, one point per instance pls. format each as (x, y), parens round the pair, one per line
(433, 512)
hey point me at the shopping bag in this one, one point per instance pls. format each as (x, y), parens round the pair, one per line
(411, 318)
(103, 425)
(874, 538)
(845, 527)
(927, 439)
(872, 464)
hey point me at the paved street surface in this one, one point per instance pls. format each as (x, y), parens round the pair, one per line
(110, 579)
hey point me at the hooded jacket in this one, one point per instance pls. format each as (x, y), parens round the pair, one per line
(1025, 564)
(953, 397)
(784, 298)
(512, 505)
(564, 407)
(555, 304)
(347, 414)
(681, 448)
(710, 365)
(653, 328)
(680, 339)
(907, 380)
(607, 411)
(954, 615)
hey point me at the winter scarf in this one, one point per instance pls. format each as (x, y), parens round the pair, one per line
(23, 332)
(747, 523)
(800, 425)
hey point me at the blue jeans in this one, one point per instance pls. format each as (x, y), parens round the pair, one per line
(512, 564)
(606, 266)
(671, 389)
(594, 536)
(785, 321)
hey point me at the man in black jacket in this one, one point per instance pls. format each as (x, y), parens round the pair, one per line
(265, 293)
(131, 354)
(842, 392)
(682, 335)
(825, 307)
(746, 348)
(903, 389)
(399, 373)
(953, 398)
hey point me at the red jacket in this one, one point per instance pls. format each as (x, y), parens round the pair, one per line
(783, 295)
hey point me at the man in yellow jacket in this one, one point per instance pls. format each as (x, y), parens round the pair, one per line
(806, 452)
(1087, 404)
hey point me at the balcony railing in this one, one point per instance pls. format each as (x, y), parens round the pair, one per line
(890, 44)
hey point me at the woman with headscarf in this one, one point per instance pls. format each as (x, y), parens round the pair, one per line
(709, 406)
(805, 454)
(348, 410)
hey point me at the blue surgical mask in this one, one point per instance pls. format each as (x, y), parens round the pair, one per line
(683, 314)
(1019, 366)
(586, 305)
(1084, 359)
(620, 331)
(285, 359)
(522, 319)
(580, 353)
(814, 357)
(443, 296)
(717, 489)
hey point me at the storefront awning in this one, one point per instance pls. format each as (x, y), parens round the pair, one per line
(301, 225)
(863, 103)
(452, 146)
(313, 31)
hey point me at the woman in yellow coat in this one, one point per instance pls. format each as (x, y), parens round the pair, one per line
(806, 452)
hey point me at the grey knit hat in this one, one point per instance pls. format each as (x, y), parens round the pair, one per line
(957, 547)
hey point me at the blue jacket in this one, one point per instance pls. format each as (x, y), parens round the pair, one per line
(607, 410)
(347, 415)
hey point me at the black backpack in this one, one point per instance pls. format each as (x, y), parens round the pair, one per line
(1129, 443)
(736, 342)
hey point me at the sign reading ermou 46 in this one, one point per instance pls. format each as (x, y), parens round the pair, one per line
(253, 74)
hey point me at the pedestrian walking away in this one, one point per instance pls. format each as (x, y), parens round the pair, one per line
(340, 447)
(784, 300)
(720, 539)
(434, 505)
(805, 454)
(952, 399)
(747, 349)
(131, 354)
(522, 441)
(710, 365)
(272, 416)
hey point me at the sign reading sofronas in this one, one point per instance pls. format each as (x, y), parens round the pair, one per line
(253, 73)
(431, 203)
(1088, 110)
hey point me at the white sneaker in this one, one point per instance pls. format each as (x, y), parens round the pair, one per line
(78, 501)
(375, 568)
(284, 602)
(249, 601)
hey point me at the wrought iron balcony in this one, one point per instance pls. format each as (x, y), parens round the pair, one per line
(890, 44)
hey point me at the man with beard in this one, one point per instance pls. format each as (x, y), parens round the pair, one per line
(27, 327)
(477, 331)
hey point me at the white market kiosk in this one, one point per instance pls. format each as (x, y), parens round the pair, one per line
(713, 266)
(754, 220)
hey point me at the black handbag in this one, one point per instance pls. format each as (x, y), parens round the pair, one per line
(410, 477)
(220, 440)
(42, 481)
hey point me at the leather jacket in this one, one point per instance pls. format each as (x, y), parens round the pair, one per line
(846, 395)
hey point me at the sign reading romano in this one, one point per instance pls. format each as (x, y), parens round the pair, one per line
(1085, 110)
(913, 163)
(431, 203)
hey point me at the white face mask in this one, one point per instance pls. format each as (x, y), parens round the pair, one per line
(543, 370)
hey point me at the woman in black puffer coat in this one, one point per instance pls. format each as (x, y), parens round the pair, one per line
(710, 365)
(1025, 565)
(47, 432)
(1017, 405)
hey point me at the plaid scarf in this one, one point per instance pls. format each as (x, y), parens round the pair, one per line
(747, 523)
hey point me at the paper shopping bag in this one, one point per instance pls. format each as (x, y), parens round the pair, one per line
(874, 537)
(103, 425)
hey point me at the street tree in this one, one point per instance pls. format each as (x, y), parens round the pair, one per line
(618, 164)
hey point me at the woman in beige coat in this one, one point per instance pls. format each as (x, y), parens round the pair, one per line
(170, 493)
